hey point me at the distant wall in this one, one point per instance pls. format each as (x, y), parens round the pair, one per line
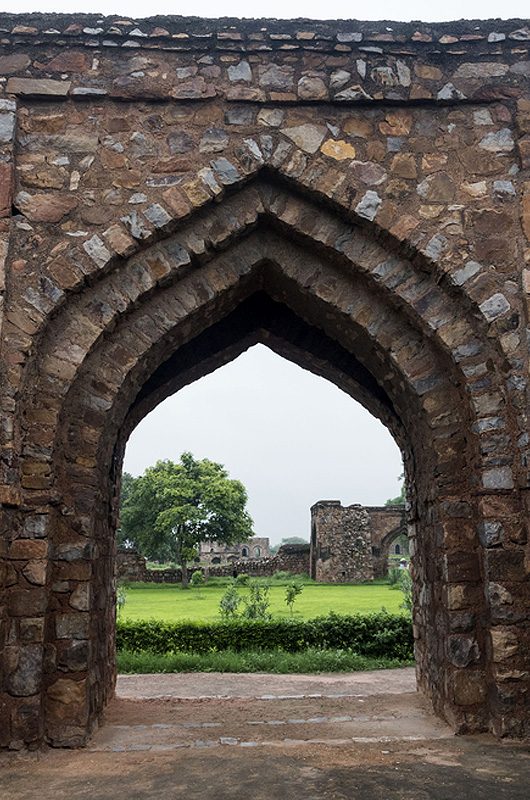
(294, 558)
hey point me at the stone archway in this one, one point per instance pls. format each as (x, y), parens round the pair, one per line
(332, 313)
(384, 548)
(278, 241)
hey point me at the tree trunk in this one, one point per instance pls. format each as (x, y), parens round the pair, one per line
(182, 558)
(184, 568)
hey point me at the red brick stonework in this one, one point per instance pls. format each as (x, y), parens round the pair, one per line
(356, 196)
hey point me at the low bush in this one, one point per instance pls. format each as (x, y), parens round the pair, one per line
(394, 576)
(379, 635)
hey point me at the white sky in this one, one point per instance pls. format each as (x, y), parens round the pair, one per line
(332, 9)
(291, 437)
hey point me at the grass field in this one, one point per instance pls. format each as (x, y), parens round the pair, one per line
(171, 603)
(276, 661)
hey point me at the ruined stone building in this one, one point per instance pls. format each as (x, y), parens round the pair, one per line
(215, 553)
(354, 543)
(355, 196)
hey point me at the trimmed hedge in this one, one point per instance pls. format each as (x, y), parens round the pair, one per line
(379, 635)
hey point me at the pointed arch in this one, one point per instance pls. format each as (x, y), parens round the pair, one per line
(268, 265)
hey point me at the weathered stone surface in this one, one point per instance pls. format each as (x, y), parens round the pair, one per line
(240, 72)
(24, 665)
(179, 142)
(214, 140)
(36, 87)
(368, 205)
(312, 88)
(482, 69)
(14, 63)
(438, 188)
(35, 572)
(66, 700)
(6, 189)
(307, 137)
(339, 150)
(469, 687)
(273, 76)
(45, 207)
(368, 172)
(7, 127)
(498, 142)
(504, 643)
(27, 602)
(72, 626)
(22, 549)
(70, 61)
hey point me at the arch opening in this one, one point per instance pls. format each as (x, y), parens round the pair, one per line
(337, 303)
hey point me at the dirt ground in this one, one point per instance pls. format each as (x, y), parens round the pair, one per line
(301, 737)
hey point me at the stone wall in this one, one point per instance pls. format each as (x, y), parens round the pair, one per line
(341, 543)
(352, 543)
(356, 196)
(131, 566)
(292, 558)
(386, 524)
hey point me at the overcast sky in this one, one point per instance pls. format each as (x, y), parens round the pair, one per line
(291, 437)
(332, 9)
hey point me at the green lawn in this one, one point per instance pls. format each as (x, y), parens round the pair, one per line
(171, 603)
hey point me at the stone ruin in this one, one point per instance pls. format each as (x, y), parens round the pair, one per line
(352, 543)
(348, 545)
(256, 548)
(293, 558)
(355, 196)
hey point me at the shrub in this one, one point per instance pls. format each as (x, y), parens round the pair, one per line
(379, 635)
(281, 575)
(394, 576)
(229, 603)
(257, 603)
(292, 590)
(121, 599)
(405, 584)
(242, 579)
(197, 579)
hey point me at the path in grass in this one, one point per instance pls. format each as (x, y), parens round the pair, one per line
(171, 603)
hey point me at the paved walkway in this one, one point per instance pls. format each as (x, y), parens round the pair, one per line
(363, 736)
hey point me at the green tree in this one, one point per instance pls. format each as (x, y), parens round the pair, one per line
(173, 507)
(288, 540)
(127, 482)
(292, 590)
(258, 601)
(402, 496)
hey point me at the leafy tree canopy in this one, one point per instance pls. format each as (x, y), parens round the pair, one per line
(288, 540)
(173, 507)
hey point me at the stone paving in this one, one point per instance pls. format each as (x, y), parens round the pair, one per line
(364, 735)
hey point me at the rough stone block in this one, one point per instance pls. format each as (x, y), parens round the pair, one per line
(38, 87)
